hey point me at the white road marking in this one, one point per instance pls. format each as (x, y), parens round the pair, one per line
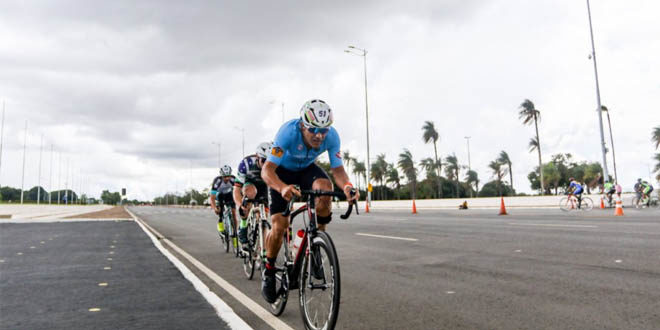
(551, 225)
(450, 292)
(103, 284)
(2, 260)
(223, 310)
(94, 309)
(390, 237)
(618, 261)
(106, 268)
(19, 253)
(518, 251)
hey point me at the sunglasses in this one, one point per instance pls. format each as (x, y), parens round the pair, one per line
(318, 130)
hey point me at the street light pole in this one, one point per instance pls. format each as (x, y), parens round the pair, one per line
(24, 148)
(600, 113)
(50, 179)
(39, 178)
(2, 134)
(467, 138)
(59, 179)
(363, 53)
(609, 123)
(218, 144)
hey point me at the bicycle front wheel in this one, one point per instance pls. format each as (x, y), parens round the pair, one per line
(587, 204)
(565, 204)
(320, 284)
(249, 256)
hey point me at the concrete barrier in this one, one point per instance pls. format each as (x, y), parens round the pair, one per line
(486, 202)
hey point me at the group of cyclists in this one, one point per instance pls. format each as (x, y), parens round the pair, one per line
(277, 171)
(642, 189)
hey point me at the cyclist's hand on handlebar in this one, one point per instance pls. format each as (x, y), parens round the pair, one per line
(288, 192)
(351, 193)
(217, 210)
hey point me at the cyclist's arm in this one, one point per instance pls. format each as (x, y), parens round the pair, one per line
(212, 199)
(270, 177)
(342, 180)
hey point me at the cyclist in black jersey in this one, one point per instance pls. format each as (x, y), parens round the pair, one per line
(249, 183)
(221, 191)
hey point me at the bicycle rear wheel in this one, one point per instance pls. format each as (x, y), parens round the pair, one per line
(319, 300)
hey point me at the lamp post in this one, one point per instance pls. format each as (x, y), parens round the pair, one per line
(24, 147)
(609, 123)
(363, 52)
(242, 137)
(2, 134)
(600, 113)
(41, 149)
(219, 146)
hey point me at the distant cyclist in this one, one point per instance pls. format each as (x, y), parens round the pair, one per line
(291, 162)
(609, 190)
(638, 190)
(249, 183)
(221, 190)
(576, 189)
(647, 188)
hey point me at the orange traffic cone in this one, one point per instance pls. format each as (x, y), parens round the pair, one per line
(619, 208)
(502, 208)
(602, 203)
(414, 208)
(367, 207)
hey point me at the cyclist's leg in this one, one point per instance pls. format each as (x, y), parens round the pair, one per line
(313, 177)
(250, 191)
(274, 238)
(221, 225)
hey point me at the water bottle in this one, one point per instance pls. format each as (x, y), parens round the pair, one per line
(297, 241)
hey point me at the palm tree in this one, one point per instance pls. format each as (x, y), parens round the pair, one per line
(378, 171)
(533, 144)
(529, 114)
(431, 134)
(429, 166)
(655, 137)
(498, 173)
(407, 166)
(393, 178)
(472, 178)
(346, 156)
(505, 160)
(452, 170)
(359, 170)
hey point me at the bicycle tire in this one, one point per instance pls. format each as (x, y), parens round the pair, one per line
(564, 204)
(249, 259)
(587, 204)
(282, 282)
(331, 280)
(635, 202)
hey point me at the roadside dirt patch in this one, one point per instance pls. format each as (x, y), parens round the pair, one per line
(116, 212)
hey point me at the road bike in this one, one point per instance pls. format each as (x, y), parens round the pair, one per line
(254, 250)
(570, 203)
(313, 268)
(228, 237)
(650, 202)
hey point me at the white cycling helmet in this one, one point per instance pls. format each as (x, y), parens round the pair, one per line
(316, 113)
(225, 170)
(263, 149)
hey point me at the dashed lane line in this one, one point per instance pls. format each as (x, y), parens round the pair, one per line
(551, 225)
(390, 237)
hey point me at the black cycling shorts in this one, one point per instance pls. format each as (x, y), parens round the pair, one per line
(304, 179)
(222, 199)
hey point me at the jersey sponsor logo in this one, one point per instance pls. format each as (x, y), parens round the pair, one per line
(300, 147)
(277, 152)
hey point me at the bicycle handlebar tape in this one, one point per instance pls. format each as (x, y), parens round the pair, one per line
(619, 208)
(502, 207)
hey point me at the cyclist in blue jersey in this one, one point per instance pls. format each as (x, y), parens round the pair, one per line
(576, 189)
(291, 162)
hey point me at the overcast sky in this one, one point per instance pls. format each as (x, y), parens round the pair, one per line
(132, 94)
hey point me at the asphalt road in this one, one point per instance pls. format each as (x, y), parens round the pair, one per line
(532, 269)
(93, 275)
